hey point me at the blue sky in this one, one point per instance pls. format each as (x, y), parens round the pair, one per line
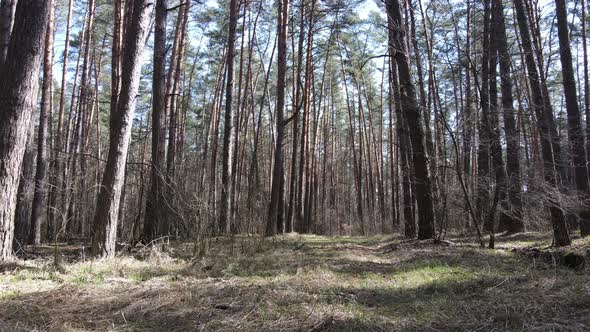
(368, 7)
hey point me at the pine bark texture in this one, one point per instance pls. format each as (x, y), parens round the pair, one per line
(155, 212)
(18, 91)
(43, 131)
(107, 208)
(275, 209)
(226, 160)
(413, 116)
(545, 124)
(574, 117)
(7, 11)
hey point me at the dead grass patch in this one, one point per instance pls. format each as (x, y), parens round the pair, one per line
(294, 283)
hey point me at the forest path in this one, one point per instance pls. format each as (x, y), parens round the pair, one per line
(300, 283)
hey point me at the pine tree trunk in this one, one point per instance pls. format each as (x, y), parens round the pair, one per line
(305, 156)
(22, 224)
(392, 149)
(515, 223)
(154, 214)
(175, 124)
(7, 11)
(57, 182)
(42, 139)
(275, 215)
(467, 109)
(294, 201)
(80, 130)
(403, 159)
(483, 150)
(574, 117)
(18, 91)
(212, 198)
(226, 160)
(172, 109)
(254, 173)
(544, 123)
(494, 130)
(357, 167)
(413, 116)
(107, 209)
(586, 78)
(238, 125)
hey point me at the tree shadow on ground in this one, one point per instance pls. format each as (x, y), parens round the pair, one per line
(11, 267)
(158, 307)
(473, 304)
(350, 263)
(510, 240)
(323, 288)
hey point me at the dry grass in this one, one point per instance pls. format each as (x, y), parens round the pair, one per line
(294, 283)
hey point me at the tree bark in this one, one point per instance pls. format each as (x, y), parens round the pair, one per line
(155, 216)
(275, 209)
(586, 79)
(22, 225)
(544, 123)
(483, 150)
(226, 160)
(294, 201)
(107, 209)
(42, 139)
(404, 152)
(357, 166)
(57, 182)
(574, 117)
(494, 129)
(413, 116)
(305, 175)
(7, 11)
(515, 224)
(18, 91)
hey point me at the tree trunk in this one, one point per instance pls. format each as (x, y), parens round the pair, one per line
(467, 110)
(413, 116)
(404, 151)
(402, 140)
(544, 123)
(275, 215)
(357, 173)
(42, 140)
(175, 124)
(107, 209)
(172, 87)
(574, 118)
(304, 155)
(7, 11)
(80, 131)
(226, 160)
(18, 91)
(22, 225)
(155, 215)
(294, 201)
(494, 128)
(57, 182)
(516, 223)
(483, 150)
(586, 79)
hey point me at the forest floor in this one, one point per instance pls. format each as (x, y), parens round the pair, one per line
(299, 283)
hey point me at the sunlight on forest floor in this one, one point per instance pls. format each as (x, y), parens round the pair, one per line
(294, 282)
